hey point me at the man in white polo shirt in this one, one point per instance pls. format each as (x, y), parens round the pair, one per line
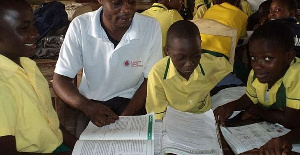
(116, 47)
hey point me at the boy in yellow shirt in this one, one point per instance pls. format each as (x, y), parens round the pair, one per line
(29, 122)
(180, 80)
(273, 84)
(166, 13)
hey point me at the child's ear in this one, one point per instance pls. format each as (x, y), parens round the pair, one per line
(166, 49)
(291, 55)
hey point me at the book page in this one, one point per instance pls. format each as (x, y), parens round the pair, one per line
(126, 128)
(248, 137)
(157, 136)
(113, 147)
(190, 133)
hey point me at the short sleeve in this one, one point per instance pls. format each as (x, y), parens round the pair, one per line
(292, 86)
(156, 50)
(250, 90)
(70, 57)
(156, 98)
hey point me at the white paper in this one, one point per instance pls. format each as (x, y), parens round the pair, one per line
(113, 147)
(127, 127)
(248, 137)
(187, 133)
(130, 135)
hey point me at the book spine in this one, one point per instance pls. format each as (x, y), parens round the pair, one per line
(150, 123)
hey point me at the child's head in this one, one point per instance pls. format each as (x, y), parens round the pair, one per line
(280, 9)
(264, 10)
(17, 32)
(184, 46)
(271, 49)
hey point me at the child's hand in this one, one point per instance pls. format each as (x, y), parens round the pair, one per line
(276, 146)
(222, 113)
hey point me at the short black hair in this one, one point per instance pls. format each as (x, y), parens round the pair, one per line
(291, 4)
(277, 32)
(182, 29)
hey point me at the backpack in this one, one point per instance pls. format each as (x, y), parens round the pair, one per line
(48, 16)
(51, 21)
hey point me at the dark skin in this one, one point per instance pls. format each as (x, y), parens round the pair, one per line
(19, 34)
(117, 16)
(185, 54)
(269, 63)
(279, 10)
(282, 144)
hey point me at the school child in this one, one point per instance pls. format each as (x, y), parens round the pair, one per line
(260, 16)
(273, 85)
(166, 13)
(29, 122)
(286, 10)
(280, 9)
(180, 80)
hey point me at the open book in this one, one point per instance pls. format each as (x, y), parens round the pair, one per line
(130, 135)
(180, 133)
(247, 137)
(187, 134)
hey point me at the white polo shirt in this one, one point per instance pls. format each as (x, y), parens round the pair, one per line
(109, 72)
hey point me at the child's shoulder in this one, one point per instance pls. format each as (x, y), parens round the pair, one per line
(161, 65)
(293, 73)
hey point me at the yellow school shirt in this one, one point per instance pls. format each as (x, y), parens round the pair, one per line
(229, 15)
(165, 18)
(167, 87)
(246, 7)
(26, 110)
(284, 92)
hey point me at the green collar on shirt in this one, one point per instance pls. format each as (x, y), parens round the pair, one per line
(168, 66)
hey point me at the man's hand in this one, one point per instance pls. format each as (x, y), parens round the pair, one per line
(99, 114)
(276, 146)
(222, 113)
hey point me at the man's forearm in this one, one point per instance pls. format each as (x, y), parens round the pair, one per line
(138, 101)
(68, 92)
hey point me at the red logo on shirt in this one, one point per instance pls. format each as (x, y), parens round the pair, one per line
(128, 63)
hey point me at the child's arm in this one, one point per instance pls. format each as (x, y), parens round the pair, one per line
(68, 139)
(288, 118)
(222, 113)
(156, 100)
(282, 144)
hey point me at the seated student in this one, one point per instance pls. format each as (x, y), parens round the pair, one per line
(220, 13)
(201, 7)
(283, 144)
(29, 122)
(166, 13)
(286, 10)
(259, 17)
(273, 85)
(180, 80)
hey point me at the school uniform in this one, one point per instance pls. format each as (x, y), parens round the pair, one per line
(167, 87)
(26, 110)
(284, 93)
(165, 18)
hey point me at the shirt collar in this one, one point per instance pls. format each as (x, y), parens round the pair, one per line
(97, 31)
(171, 71)
(10, 68)
(157, 6)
